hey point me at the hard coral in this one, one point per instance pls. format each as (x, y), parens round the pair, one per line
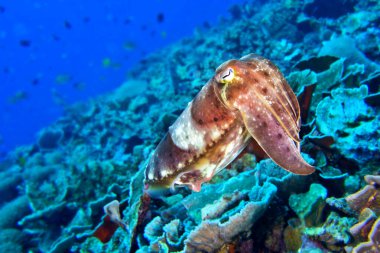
(355, 203)
(345, 47)
(50, 138)
(212, 234)
(373, 244)
(352, 123)
(361, 229)
(309, 206)
(333, 233)
(372, 180)
(221, 215)
(368, 197)
(160, 235)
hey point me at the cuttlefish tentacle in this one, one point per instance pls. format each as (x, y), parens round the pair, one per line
(246, 98)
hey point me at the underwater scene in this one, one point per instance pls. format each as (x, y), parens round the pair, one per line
(190, 126)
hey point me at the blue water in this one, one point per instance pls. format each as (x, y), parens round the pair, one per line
(55, 53)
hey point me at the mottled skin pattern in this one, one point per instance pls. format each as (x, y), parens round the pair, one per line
(246, 100)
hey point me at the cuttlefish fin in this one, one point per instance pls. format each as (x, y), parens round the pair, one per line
(251, 58)
(272, 137)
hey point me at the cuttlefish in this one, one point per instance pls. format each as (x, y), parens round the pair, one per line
(246, 100)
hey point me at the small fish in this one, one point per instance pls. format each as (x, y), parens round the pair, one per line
(108, 63)
(160, 17)
(62, 79)
(25, 43)
(246, 100)
(35, 81)
(86, 20)
(18, 97)
(128, 20)
(58, 98)
(56, 37)
(67, 25)
(79, 85)
(206, 25)
(144, 27)
(129, 45)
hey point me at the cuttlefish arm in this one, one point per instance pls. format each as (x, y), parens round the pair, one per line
(268, 108)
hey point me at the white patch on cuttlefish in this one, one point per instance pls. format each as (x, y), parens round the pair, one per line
(164, 173)
(185, 134)
(150, 175)
(215, 134)
(233, 149)
(206, 169)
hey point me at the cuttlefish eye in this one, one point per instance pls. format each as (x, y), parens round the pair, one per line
(227, 75)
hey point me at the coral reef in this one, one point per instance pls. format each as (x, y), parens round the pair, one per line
(351, 122)
(373, 245)
(308, 206)
(53, 192)
(362, 208)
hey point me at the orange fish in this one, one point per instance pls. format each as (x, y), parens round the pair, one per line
(246, 100)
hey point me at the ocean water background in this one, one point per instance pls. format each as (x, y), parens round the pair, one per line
(55, 53)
